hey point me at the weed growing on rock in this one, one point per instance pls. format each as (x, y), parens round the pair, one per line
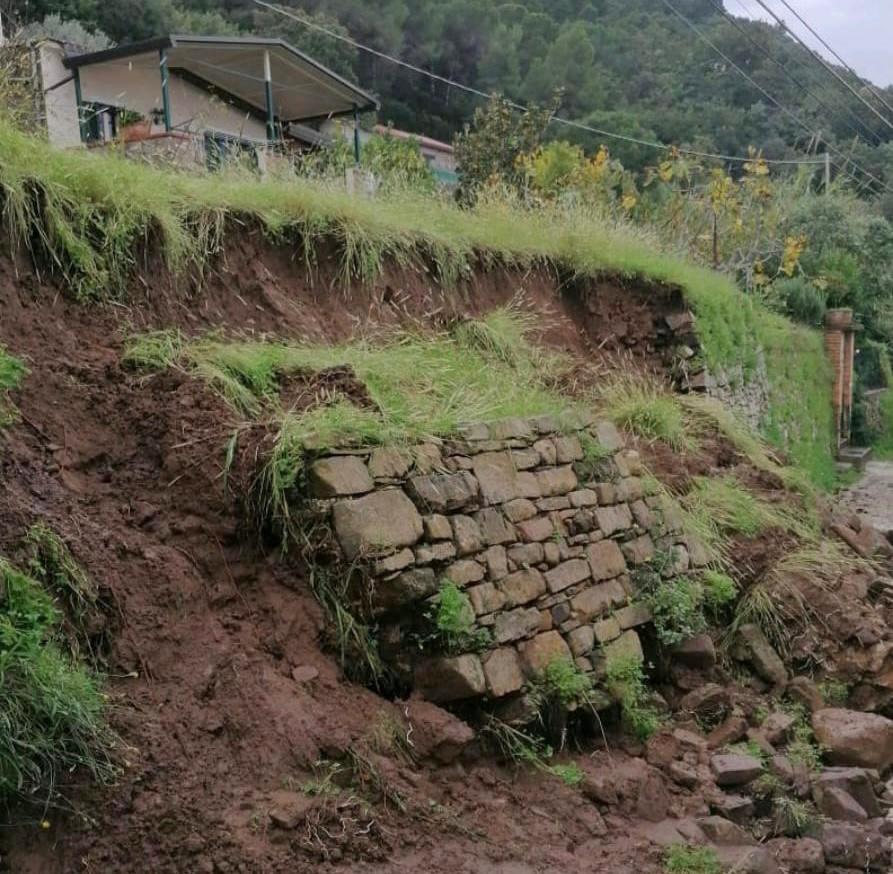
(720, 590)
(155, 350)
(793, 818)
(570, 774)
(525, 748)
(626, 682)
(591, 467)
(53, 712)
(677, 607)
(835, 693)
(454, 620)
(564, 682)
(681, 859)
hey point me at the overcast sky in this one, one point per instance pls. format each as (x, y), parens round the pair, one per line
(860, 31)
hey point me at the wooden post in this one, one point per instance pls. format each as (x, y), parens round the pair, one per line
(165, 90)
(268, 95)
(827, 172)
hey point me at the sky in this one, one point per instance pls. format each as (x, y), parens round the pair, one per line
(858, 30)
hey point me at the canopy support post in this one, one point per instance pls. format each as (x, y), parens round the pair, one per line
(165, 91)
(268, 95)
(356, 134)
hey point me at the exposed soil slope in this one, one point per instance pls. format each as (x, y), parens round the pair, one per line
(207, 630)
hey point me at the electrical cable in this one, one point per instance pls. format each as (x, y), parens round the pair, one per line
(557, 119)
(826, 65)
(868, 84)
(765, 93)
(764, 51)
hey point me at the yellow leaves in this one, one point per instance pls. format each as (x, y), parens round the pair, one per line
(759, 274)
(629, 201)
(665, 171)
(757, 165)
(722, 189)
(794, 247)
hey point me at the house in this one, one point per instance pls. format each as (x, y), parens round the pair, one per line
(191, 99)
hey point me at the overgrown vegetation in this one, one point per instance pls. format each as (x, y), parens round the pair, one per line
(53, 711)
(453, 620)
(678, 610)
(11, 372)
(526, 748)
(625, 678)
(681, 859)
(646, 408)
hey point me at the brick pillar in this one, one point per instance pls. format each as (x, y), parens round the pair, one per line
(840, 347)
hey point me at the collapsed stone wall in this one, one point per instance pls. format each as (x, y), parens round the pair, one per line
(542, 522)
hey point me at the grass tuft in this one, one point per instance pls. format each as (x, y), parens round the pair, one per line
(52, 712)
(648, 409)
(680, 859)
(626, 682)
(12, 371)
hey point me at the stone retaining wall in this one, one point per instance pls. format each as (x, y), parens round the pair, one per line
(541, 523)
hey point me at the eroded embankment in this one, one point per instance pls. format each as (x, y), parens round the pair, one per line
(245, 749)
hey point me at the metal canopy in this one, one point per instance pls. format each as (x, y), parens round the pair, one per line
(302, 88)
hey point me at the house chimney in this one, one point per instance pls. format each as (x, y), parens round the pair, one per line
(840, 344)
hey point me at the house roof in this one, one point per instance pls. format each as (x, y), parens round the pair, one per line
(303, 89)
(425, 142)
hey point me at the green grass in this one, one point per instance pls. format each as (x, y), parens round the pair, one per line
(564, 682)
(681, 859)
(677, 606)
(12, 371)
(883, 446)
(625, 678)
(648, 409)
(86, 214)
(453, 618)
(52, 712)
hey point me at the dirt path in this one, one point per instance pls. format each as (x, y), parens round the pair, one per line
(872, 496)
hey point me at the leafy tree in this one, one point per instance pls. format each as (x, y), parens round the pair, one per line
(71, 32)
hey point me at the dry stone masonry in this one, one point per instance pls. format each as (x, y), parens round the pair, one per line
(541, 522)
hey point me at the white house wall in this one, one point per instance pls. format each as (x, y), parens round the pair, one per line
(60, 103)
(138, 88)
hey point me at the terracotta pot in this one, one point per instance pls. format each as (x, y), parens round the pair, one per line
(839, 318)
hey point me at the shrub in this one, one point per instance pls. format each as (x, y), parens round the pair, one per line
(626, 681)
(678, 610)
(801, 300)
(648, 409)
(53, 713)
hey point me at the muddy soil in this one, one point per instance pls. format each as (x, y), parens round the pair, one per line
(218, 683)
(872, 496)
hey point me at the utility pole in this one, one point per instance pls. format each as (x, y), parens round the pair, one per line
(827, 172)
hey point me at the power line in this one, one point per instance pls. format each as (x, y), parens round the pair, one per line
(766, 94)
(557, 119)
(763, 50)
(826, 65)
(868, 84)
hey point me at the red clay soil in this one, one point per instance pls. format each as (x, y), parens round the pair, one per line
(219, 688)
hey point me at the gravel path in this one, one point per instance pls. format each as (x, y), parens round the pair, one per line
(872, 496)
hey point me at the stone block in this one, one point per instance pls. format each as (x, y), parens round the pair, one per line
(627, 646)
(583, 498)
(607, 630)
(497, 562)
(613, 519)
(597, 600)
(451, 679)
(766, 661)
(639, 550)
(428, 553)
(338, 476)
(606, 493)
(502, 670)
(854, 738)
(607, 435)
(605, 560)
(529, 485)
(382, 520)
(567, 574)
(544, 424)
(733, 769)
(525, 459)
(514, 427)
(526, 554)
(520, 510)
(427, 458)
(850, 845)
(836, 803)
(438, 527)
(552, 505)
(643, 514)
(410, 586)
(556, 480)
(495, 528)
(444, 492)
(633, 615)
(497, 475)
(537, 529)
(581, 640)
(486, 598)
(568, 449)
(546, 623)
(537, 654)
(523, 586)
(630, 489)
(387, 462)
(516, 624)
(466, 535)
(561, 612)
(551, 553)
(547, 452)
(393, 563)
(698, 652)
(464, 572)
